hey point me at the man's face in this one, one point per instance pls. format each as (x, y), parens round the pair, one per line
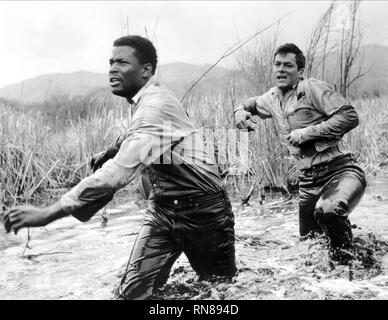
(286, 70)
(126, 75)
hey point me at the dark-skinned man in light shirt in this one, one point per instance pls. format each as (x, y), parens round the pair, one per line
(188, 211)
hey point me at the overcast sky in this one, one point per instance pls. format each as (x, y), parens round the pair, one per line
(41, 37)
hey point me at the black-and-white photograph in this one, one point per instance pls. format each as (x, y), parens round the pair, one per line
(194, 150)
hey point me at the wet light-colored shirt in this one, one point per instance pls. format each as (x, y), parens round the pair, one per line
(311, 104)
(162, 149)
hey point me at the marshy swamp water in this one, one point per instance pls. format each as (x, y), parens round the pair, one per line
(72, 260)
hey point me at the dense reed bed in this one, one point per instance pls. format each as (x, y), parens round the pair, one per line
(42, 150)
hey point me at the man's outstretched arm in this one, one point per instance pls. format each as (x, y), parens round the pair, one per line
(87, 197)
(140, 149)
(93, 192)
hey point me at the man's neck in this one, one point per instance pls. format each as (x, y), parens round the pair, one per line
(133, 96)
(284, 91)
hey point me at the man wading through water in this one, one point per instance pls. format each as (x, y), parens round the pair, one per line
(312, 118)
(189, 211)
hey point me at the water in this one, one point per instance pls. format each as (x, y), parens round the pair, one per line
(70, 260)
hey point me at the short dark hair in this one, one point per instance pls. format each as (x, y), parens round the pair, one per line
(292, 48)
(145, 50)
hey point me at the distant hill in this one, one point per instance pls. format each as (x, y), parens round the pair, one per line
(180, 76)
(42, 87)
(177, 76)
(374, 61)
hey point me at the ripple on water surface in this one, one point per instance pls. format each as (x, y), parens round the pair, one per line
(70, 260)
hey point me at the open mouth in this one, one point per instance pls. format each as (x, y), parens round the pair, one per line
(114, 81)
(281, 77)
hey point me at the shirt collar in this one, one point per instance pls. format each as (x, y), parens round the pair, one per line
(296, 87)
(136, 97)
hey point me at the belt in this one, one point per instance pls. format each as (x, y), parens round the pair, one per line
(331, 164)
(188, 202)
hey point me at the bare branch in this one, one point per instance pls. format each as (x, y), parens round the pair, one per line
(230, 51)
(322, 27)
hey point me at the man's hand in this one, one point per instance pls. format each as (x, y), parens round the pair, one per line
(23, 217)
(243, 120)
(97, 161)
(297, 137)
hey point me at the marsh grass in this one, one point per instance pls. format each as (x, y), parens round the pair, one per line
(370, 139)
(40, 152)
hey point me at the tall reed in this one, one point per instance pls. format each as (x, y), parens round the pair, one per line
(38, 153)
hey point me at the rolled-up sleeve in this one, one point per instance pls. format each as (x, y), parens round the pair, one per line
(342, 117)
(148, 138)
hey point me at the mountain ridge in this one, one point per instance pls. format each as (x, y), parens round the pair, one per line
(178, 76)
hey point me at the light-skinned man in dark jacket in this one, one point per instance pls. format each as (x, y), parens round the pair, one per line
(312, 118)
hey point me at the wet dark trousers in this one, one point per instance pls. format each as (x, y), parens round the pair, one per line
(202, 228)
(327, 195)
